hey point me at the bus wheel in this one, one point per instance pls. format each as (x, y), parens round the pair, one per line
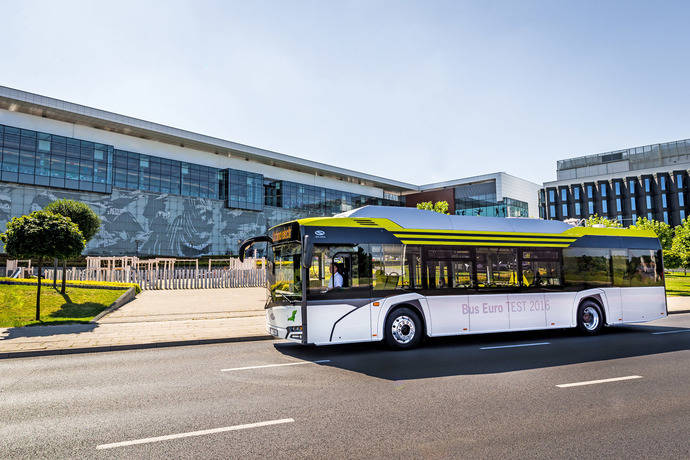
(403, 329)
(590, 320)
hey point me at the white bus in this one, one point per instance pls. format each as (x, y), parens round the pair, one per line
(406, 273)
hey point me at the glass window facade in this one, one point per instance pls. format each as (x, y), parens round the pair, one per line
(480, 200)
(36, 158)
(662, 182)
(577, 208)
(318, 200)
(589, 191)
(647, 185)
(590, 208)
(246, 190)
(31, 157)
(631, 187)
(681, 199)
(605, 207)
(564, 194)
(552, 196)
(602, 190)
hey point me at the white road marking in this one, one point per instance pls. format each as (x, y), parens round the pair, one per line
(517, 345)
(593, 382)
(275, 365)
(671, 332)
(193, 433)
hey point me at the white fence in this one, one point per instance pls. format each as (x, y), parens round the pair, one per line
(251, 273)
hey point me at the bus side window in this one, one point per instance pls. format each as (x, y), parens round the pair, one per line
(387, 266)
(541, 268)
(642, 267)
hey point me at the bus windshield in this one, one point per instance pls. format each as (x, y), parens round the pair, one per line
(284, 281)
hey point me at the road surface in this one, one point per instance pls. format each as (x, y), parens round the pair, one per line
(625, 393)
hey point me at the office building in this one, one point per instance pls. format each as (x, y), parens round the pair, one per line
(648, 181)
(165, 191)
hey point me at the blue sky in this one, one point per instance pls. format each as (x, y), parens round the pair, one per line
(416, 91)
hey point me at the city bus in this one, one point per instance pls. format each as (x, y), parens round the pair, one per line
(404, 274)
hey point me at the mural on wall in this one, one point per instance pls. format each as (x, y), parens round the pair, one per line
(142, 223)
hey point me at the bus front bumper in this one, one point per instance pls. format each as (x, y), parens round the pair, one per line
(284, 323)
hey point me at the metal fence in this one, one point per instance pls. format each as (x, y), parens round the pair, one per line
(250, 273)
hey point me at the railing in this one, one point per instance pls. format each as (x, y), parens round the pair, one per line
(251, 273)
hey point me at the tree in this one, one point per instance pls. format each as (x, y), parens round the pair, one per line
(601, 220)
(663, 231)
(82, 215)
(679, 254)
(439, 206)
(42, 235)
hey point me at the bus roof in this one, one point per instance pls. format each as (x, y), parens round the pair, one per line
(415, 226)
(418, 218)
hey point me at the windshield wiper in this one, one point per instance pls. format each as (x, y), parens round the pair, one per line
(281, 293)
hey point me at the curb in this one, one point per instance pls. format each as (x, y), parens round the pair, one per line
(138, 346)
(124, 299)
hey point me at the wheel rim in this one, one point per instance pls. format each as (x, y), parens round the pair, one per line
(590, 318)
(403, 329)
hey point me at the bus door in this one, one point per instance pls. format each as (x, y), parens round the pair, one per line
(339, 313)
(447, 277)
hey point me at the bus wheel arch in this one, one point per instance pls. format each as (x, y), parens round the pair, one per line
(409, 310)
(591, 315)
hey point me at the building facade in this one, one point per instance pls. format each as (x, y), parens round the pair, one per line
(164, 191)
(648, 181)
(491, 195)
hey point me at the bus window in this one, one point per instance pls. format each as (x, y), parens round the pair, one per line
(448, 268)
(586, 267)
(643, 268)
(619, 262)
(352, 263)
(412, 268)
(497, 267)
(387, 266)
(541, 268)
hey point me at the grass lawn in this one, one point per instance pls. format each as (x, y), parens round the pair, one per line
(78, 305)
(677, 284)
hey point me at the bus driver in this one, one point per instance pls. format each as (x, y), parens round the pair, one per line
(336, 280)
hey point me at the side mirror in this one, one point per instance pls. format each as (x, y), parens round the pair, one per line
(307, 251)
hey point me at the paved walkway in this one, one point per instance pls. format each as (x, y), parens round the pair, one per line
(190, 304)
(166, 318)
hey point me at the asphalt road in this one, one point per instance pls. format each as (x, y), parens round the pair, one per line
(459, 397)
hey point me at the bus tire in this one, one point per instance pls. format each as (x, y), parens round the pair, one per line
(590, 318)
(403, 329)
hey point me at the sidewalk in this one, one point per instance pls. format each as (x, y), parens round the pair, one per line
(678, 304)
(76, 338)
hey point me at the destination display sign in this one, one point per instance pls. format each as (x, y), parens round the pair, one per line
(287, 232)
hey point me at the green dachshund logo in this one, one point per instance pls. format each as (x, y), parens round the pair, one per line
(292, 318)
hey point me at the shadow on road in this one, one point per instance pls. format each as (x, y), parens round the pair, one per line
(464, 356)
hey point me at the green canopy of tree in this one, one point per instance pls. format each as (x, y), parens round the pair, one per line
(439, 206)
(663, 230)
(601, 220)
(42, 235)
(81, 214)
(679, 254)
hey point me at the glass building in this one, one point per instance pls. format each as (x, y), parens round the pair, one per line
(648, 181)
(168, 192)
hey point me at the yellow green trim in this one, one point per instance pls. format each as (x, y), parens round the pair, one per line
(484, 237)
(486, 243)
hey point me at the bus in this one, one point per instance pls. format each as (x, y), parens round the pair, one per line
(406, 274)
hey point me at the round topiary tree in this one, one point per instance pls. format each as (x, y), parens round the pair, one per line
(42, 235)
(82, 215)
